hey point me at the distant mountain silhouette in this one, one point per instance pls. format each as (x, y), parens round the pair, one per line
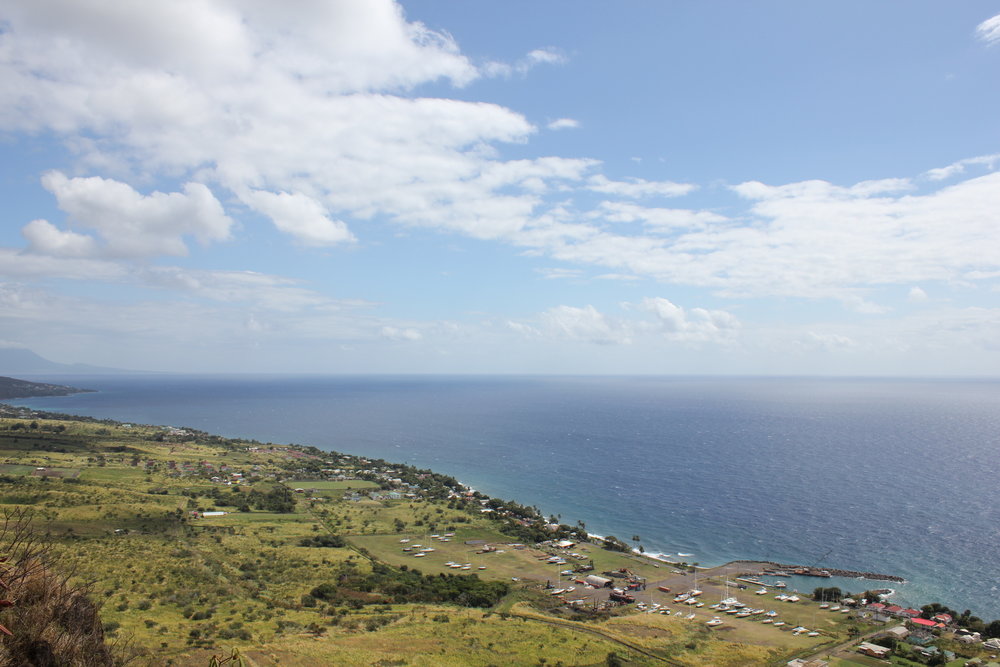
(19, 361)
(14, 388)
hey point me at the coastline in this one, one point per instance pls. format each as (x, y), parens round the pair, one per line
(916, 592)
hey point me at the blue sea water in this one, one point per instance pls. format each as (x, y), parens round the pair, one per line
(895, 476)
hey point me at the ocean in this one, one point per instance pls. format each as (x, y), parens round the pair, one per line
(891, 476)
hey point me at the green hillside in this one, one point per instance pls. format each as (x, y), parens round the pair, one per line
(195, 545)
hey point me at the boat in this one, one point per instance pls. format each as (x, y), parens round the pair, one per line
(778, 624)
(762, 591)
(714, 621)
(835, 608)
(825, 605)
(812, 634)
(689, 616)
(780, 584)
(420, 555)
(768, 620)
(772, 613)
(684, 555)
(792, 598)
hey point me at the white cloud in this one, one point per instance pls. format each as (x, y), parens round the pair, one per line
(696, 325)
(45, 238)
(989, 30)
(637, 187)
(956, 168)
(550, 56)
(535, 57)
(301, 216)
(308, 122)
(586, 324)
(130, 224)
(916, 295)
(662, 219)
(563, 124)
(559, 273)
(401, 334)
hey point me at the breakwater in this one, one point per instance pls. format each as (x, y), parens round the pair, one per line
(801, 570)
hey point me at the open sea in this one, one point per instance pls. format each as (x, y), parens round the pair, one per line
(892, 476)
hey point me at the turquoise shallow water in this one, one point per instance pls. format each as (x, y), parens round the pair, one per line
(895, 476)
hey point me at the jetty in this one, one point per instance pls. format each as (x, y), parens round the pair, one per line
(785, 569)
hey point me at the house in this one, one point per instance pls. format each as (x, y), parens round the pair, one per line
(799, 662)
(993, 643)
(874, 650)
(899, 632)
(924, 623)
(942, 618)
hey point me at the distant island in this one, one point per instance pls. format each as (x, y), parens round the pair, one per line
(14, 388)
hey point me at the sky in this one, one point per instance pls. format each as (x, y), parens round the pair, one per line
(559, 187)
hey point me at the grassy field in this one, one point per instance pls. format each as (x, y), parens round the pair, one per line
(317, 579)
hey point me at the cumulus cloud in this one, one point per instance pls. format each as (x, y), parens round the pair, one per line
(989, 30)
(313, 123)
(129, 224)
(45, 238)
(696, 325)
(301, 216)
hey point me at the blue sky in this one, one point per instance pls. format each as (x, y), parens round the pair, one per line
(519, 187)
